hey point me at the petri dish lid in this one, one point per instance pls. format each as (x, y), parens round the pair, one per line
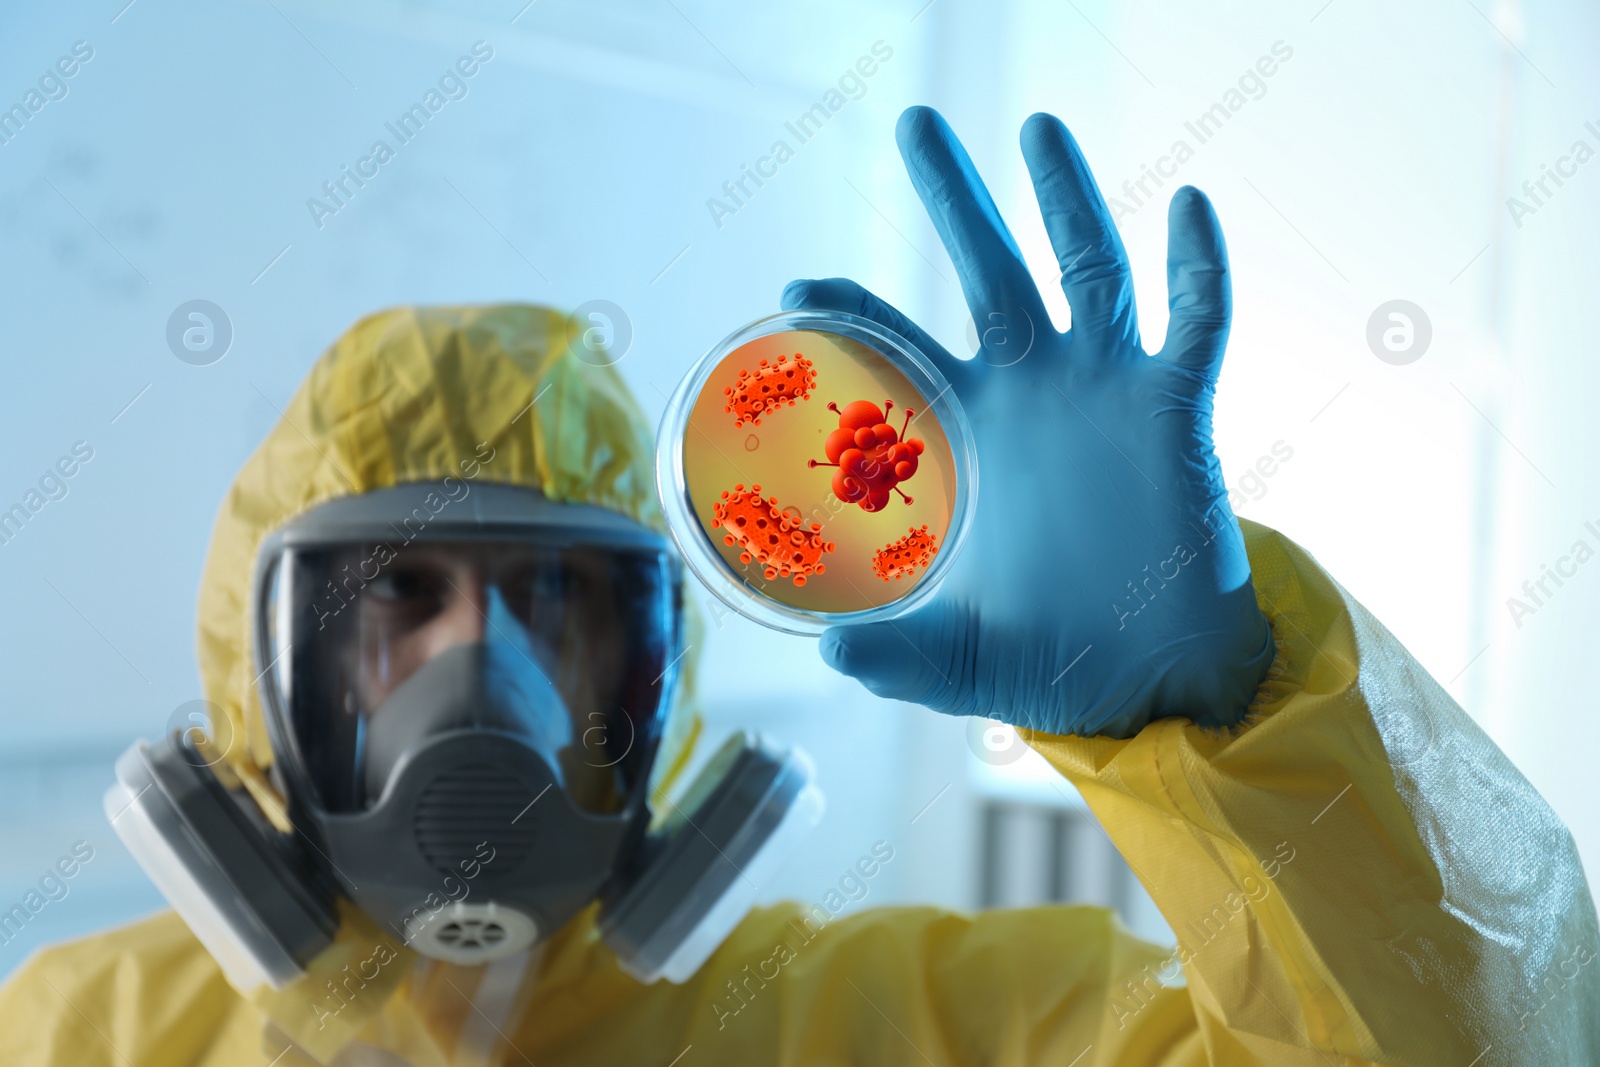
(816, 469)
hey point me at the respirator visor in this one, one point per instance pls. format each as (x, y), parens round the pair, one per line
(554, 626)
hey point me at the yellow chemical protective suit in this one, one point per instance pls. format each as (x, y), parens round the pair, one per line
(1356, 875)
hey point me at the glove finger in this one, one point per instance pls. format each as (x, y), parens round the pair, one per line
(1094, 266)
(999, 290)
(1199, 292)
(842, 294)
(912, 659)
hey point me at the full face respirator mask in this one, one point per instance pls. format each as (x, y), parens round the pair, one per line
(465, 697)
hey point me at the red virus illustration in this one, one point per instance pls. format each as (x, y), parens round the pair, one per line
(772, 536)
(902, 558)
(871, 456)
(771, 385)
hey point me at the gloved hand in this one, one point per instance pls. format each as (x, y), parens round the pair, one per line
(1104, 583)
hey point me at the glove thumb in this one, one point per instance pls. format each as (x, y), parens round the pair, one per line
(901, 659)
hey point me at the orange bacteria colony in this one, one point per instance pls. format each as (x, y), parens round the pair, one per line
(900, 559)
(772, 384)
(764, 533)
(872, 456)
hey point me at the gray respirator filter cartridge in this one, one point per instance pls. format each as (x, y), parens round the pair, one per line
(730, 832)
(249, 901)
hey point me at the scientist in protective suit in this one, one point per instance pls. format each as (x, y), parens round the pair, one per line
(440, 819)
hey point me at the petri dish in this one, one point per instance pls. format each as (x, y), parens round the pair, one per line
(815, 469)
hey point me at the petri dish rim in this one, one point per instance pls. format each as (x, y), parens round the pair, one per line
(694, 542)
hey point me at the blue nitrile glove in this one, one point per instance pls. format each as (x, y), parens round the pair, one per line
(1104, 583)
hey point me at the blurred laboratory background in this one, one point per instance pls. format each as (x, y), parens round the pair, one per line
(1405, 189)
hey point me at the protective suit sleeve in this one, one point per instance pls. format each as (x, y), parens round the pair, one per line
(1357, 869)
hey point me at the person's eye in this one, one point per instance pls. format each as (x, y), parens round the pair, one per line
(403, 586)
